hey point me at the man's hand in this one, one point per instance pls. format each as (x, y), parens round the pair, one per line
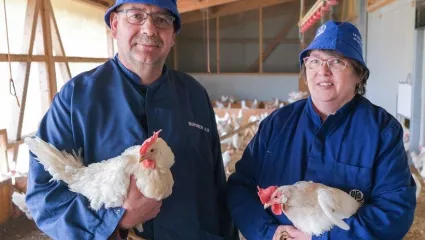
(286, 232)
(139, 209)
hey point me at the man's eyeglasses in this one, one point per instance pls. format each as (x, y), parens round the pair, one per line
(334, 64)
(137, 16)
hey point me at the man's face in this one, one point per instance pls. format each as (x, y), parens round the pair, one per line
(143, 43)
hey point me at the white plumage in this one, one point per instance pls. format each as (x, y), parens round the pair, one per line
(106, 183)
(312, 207)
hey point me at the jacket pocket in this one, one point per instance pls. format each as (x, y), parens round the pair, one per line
(357, 181)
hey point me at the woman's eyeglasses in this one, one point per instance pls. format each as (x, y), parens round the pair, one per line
(334, 64)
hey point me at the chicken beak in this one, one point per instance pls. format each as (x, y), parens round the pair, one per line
(267, 205)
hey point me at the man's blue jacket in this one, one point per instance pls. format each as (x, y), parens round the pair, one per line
(106, 110)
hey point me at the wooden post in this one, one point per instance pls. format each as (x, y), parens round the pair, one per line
(217, 36)
(260, 38)
(48, 49)
(58, 45)
(4, 164)
(21, 83)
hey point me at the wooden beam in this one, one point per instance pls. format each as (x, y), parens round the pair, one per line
(80, 59)
(260, 39)
(51, 85)
(217, 37)
(42, 58)
(238, 40)
(289, 25)
(42, 68)
(191, 5)
(21, 83)
(58, 46)
(102, 4)
(16, 143)
(4, 164)
(373, 5)
(231, 8)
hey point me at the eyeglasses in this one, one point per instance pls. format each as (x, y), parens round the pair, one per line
(334, 64)
(137, 16)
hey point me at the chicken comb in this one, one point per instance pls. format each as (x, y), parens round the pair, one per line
(148, 142)
(266, 194)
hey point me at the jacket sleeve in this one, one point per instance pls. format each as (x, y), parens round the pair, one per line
(57, 211)
(226, 225)
(390, 211)
(247, 211)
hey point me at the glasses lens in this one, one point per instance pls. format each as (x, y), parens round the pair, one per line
(313, 64)
(337, 64)
(136, 16)
(162, 20)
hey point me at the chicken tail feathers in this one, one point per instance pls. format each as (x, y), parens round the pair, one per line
(331, 207)
(60, 164)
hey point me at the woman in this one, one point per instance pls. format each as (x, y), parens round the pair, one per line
(335, 137)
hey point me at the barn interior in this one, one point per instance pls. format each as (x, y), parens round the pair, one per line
(244, 52)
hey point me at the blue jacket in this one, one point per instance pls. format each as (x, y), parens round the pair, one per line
(106, 110)
(358, 148)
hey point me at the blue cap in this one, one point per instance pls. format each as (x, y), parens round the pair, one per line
(170, 5)
(342, 37)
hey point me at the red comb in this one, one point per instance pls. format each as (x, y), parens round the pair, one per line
(148, 142)
(266, 194)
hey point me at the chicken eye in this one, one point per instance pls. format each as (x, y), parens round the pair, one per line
(152, 150)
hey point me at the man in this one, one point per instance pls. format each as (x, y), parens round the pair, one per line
(120, 104)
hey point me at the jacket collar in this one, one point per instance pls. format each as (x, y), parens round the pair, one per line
(341, 112)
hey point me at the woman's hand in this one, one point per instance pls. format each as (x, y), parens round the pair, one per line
(286, 232)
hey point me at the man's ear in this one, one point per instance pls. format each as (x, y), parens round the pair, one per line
(113, 19)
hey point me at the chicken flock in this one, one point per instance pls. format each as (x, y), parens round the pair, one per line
(238, 121)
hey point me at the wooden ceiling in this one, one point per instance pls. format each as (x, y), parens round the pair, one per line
(99, 3)
(184, 6)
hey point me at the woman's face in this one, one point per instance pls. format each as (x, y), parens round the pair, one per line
(334, 84)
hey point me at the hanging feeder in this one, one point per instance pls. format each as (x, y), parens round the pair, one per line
(315, 14)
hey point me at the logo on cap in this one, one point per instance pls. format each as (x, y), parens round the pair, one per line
(357, 38)
(320, 30)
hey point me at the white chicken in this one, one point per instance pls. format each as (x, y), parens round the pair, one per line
(313, 208)
(106, 183)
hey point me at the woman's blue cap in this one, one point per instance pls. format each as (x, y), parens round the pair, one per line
(342, 37)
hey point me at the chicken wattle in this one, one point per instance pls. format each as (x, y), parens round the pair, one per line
(313, 208)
